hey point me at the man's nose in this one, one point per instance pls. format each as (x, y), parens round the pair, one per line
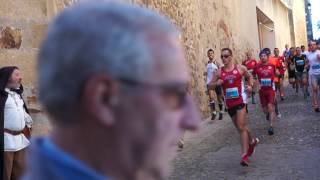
(191, 117)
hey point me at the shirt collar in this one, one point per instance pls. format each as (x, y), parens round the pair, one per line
(8, 91)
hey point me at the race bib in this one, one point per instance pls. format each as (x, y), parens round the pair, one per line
(266, 82)
(316, 67)
(300, 62)
(232, 93)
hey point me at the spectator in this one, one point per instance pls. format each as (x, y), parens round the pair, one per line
(115, 88)
(16, 123)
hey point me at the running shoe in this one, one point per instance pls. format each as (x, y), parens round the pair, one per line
(279, 115)
(180, 144)
(213, 115)
(270, 131)
(282, 98)
(245, 160)
(317, 110)
(220, 116)
(252, 146)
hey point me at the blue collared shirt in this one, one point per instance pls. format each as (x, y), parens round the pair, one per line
(46, 161)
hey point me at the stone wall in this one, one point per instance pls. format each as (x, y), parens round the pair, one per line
(30, 17)
(208, 24)
(299, 20)
(203, 24)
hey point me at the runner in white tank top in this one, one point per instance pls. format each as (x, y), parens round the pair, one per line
(314, 73)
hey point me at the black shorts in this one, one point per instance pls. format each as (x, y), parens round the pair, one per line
(233, 111)
(281, 76)
(218, 90)
(292, 74)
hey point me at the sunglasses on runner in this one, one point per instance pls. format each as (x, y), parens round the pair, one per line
(225, 56)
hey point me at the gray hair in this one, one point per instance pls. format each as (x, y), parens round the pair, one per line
(92, 38)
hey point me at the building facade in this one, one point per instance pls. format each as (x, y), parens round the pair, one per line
(309, 19)
(242, 25)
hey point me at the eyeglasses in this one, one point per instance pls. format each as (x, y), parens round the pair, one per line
(176, 92)
(225, 56)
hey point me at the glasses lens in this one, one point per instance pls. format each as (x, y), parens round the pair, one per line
(175, 96)
(224, 56)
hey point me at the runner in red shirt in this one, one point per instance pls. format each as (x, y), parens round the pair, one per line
(274, 62)
(282, 71)
(230, 77)
(266, 73)
(250, 63)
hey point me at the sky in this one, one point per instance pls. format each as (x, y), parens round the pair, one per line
(315, 10)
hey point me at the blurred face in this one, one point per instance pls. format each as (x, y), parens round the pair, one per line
(152, 114)
(303, 48)
(249, 55)
(276, 52)
(313, 46)
(211, 55)
(292, 51)
(298, 50)
(15, 80)
(287, 46)
(263, 58)
(226, 57)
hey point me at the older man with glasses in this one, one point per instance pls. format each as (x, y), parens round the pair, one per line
(113, 79)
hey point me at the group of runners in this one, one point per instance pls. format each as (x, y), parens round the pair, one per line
(231, 85)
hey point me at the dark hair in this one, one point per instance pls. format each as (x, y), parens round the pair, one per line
(210, 50)
(263, 52)
(227, 49)
(5, 74)
(267, 51)
(302, 46)
(276, 48)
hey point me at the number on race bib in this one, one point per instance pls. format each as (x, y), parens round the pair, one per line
(316, 67)
(266, 82)
(300, 62)
(232, 93)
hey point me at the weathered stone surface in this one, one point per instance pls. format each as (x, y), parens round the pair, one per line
(10, 38)
(210, 24)
(203, 24)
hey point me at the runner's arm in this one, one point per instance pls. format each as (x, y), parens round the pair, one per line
(216, 80)
(277, 72)
(248, 76)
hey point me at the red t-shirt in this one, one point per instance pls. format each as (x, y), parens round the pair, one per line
(266, 75)
(250, 64)
(280, 64)
(232, 87)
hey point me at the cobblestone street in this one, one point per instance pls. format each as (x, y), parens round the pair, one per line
(292, 153)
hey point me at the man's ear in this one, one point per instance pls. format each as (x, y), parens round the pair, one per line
(96, 99)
